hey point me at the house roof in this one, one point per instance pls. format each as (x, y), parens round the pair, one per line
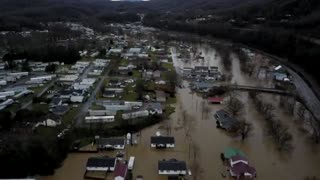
(101, 162)
(215, 99)
(60, 109)
(242, 168)
(111, 141)
(120, 170)
(56, 100)
(162, 140)
(239, 158)
(154, 106)
(172, 164)
(230, 152)
(225, 119)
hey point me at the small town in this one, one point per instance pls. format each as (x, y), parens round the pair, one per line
(133, 102)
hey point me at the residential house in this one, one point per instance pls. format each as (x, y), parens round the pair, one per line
(237, 159)
(135, 114)
(7, 93)
(162, 142)
(99, 119)
(112, 92)
(153, 108)
(6, 103)
(215, 100)
(59, 110)
(111, 143)
(239, 170)
(121, 171)
(202, 86)
(114, 83)
(104, 164)
(77, 99)
(157, 74)
(225, 121)
(48, 123)
(56, 101)
(161, 96)
(172, 167)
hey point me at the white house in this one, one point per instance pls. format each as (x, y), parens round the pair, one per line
(69, 78)
(3, 82)
(172, 167)
(18, 74)
(111, 143)
(105, 164)
(162, 142)
(88, 81)
(48, 123)
(6, 103)
(136, 114)
(99, 119)
(76, 99)
(7, 93)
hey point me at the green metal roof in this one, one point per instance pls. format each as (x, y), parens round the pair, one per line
(230, 152)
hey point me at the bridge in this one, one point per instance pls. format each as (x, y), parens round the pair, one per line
(257, 89)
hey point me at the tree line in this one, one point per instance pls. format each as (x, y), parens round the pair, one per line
(274, 41)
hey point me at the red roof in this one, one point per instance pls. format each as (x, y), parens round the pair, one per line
(215, 99)
(241, 168)
(121, 170)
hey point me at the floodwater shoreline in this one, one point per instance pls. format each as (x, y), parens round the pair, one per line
(200, 143)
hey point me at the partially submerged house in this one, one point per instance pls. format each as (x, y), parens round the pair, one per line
(101, 164)
(242, 170)
(231, 152)
(225, 121)
(215, 100)
(172, 167)
(121, 171)
(162, 142)
(153, 108)
(111, 143)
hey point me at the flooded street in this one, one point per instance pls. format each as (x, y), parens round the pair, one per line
(198, 140)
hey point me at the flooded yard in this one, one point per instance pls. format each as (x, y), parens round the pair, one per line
(200, 143)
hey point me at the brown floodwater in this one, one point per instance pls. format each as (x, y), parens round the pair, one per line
(200, 143)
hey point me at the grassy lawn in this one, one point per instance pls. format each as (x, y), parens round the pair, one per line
(47, 131)
(137, 74)
(97, 107)
(40, 107)
(168, 110)
(168, 66)
(124, 62)
(171, 100)
(69, 116)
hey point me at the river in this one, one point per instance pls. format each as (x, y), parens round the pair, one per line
(200, 143)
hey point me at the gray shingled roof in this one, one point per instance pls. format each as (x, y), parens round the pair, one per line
(162, 140)
(101, 162)
(172, 164)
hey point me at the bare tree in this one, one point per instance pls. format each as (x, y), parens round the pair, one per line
(280, 134)
(288, 103)
(301, 112)
(234, 106)
(315, 126)
(244, 129)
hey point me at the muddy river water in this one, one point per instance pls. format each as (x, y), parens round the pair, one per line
(200, 143)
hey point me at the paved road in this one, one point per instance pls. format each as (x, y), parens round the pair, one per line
(85, 106)
(307, 94)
